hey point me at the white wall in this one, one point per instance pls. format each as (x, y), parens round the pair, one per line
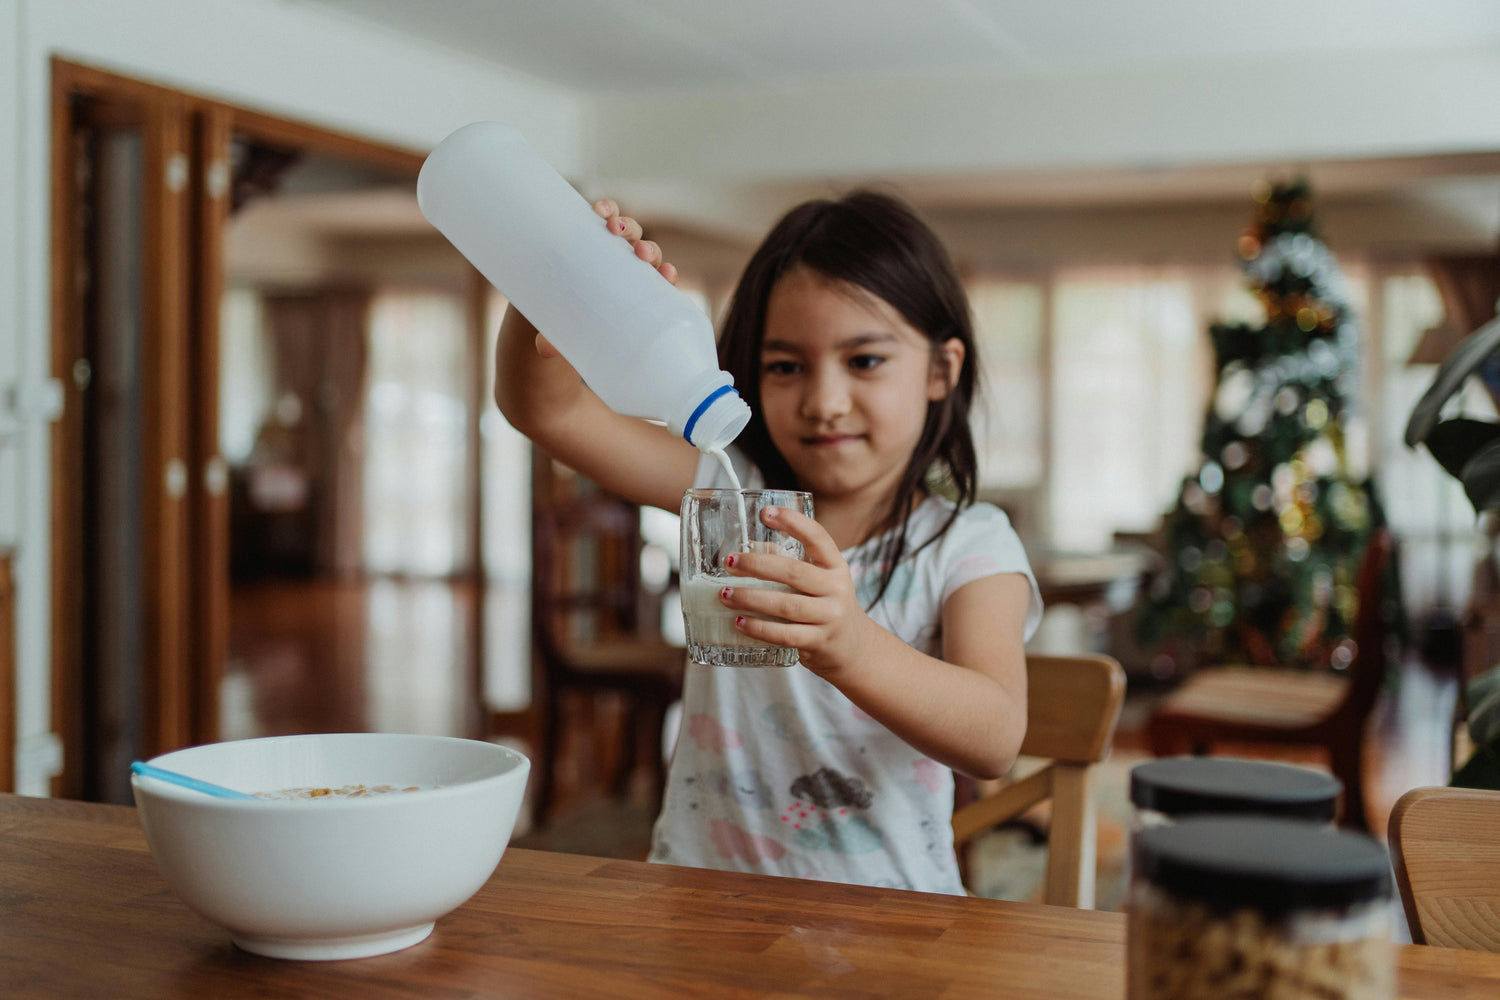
(270, 55)
(1271, 110)
(12, 253)
(1366, 226)
(1242, 110)
(10, 256)
(301, 62)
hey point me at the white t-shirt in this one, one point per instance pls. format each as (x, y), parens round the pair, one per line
(775, 771)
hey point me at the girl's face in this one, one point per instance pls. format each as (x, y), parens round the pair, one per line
(844, 386)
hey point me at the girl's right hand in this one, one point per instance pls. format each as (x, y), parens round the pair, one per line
(625, 226)
(646, 250)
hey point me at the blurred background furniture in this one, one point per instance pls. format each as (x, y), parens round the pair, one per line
(1445, 847)
(1086, 579)
(590, 633)
(272, 522)
(1278, 706)
(1072, 706)
(1481, 632)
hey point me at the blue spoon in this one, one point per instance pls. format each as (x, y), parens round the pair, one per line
(197, 785)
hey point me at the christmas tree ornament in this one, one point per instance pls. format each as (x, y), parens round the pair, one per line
(1266, 537)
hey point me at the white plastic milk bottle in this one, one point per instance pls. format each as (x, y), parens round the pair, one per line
(643, 346)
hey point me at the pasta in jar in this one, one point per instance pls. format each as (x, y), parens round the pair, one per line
(1228, 908)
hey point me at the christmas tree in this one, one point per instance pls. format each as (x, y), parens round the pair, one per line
(1264, 542)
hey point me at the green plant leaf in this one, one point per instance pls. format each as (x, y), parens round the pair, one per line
(1463, 362)
(1483, 723)
(1481, 771)
(1455, 442)
(1481, 477)
(1482, 686)
(1483, 697)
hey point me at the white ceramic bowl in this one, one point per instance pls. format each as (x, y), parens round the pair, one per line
(333, 877)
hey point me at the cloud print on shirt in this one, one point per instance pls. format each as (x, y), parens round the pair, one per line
(928, 772)
(746, 786)
(709, 734)
(828, 789)
(732, 842)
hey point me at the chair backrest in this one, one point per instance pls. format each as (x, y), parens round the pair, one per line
(1072, 707)
(586, 583)
(1367, 671)
(1445, 847)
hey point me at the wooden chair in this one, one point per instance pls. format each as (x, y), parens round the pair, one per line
(1291, 707)
(1072, 706)
(1445, 847)
(586, 626)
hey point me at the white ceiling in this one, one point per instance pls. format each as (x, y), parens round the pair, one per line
(599, 46)
(717, 114)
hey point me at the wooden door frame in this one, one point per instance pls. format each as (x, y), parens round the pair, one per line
(208, 622)
(160, 119)
(184, 273)
(164, 440)
(67, 445)
(7, 672)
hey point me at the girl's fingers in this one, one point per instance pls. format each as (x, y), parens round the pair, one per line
(627, 228)
(648, 251)
(544, 347)
(816, 541)
(774, 604)
(620, 225)
(778, 633)
(801, 576)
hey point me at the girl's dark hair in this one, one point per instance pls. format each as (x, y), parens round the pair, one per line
(870, 241)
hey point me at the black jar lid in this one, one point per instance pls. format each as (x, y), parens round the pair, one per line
(1186, 786)
(1271, 865)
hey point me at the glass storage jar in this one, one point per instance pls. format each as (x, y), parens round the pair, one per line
(1175, 787)
(1240, 907)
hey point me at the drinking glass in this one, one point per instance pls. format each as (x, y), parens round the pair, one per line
(716, 523)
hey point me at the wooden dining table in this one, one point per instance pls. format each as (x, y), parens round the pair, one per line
(1087, 579)
(83, 913)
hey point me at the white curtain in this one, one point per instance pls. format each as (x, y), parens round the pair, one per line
(246, 382)
(1008, 327)
(505, 485)
(1129, 376)
(1427, 508)
(1094, 384)
(416, 419)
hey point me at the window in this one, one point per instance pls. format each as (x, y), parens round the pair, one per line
(245, 380)
(1008, 414)
(505, 486)
(416, 421)
(1125, 342)
(1427, 508)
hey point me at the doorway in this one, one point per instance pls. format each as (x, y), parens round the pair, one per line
(252, 322)
(119, 302)
(349, 423)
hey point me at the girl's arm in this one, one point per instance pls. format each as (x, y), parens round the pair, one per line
(543, 397)
(966, 710)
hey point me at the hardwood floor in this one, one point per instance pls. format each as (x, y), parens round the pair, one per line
(1407, 744)
(378, 655)
(398, 656)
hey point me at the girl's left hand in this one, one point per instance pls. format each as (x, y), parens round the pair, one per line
(823, 620)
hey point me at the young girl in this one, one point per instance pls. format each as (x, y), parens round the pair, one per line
(850, 338)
